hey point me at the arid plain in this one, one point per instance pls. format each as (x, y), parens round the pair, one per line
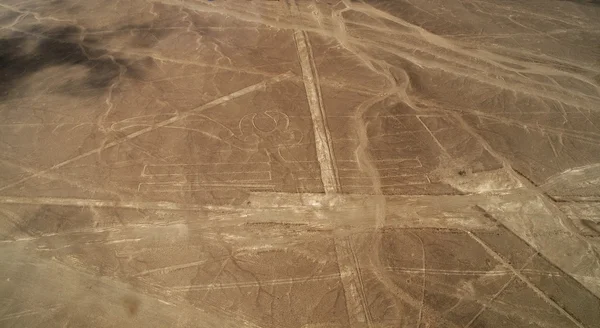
(300, 163)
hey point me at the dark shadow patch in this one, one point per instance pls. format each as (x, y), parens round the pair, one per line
(592, 226)
(131, 305)
(585, 2)
(55, 220)
(57, 47)
(25, 53)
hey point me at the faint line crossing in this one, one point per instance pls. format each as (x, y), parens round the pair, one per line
(524, 279)
(355, 303)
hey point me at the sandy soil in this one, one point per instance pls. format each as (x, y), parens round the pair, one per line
(299, 163)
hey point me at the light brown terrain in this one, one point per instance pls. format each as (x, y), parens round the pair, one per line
(299, 163)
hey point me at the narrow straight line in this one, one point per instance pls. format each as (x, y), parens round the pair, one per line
(524, 279)
(86, 202)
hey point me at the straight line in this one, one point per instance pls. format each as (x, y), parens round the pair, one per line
(355, 305)
(524, 279)
(205, 174)
(274, 282)
(499, 292)
(323, 141)
(561, 225)
(83, 202)
(168, 269)
(179, 117)
(434, 138)
(248, 184)
(357, 313)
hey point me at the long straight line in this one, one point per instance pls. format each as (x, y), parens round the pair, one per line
(323, 143)
(88, 202)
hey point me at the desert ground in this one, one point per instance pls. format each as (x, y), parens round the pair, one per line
(300, 163)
